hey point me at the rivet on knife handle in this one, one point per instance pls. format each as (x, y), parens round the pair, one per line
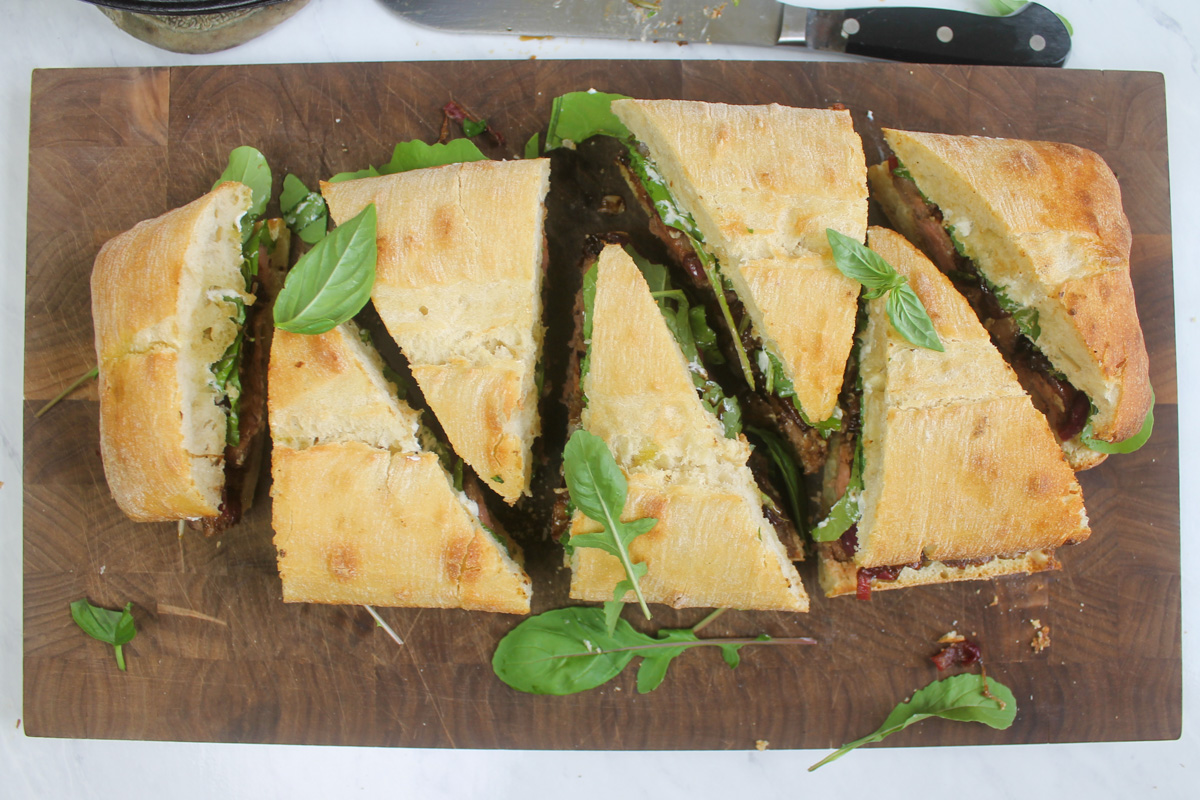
(1032, 36)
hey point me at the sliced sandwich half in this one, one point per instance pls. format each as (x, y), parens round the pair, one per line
(458, 284)
(951, 473)
(742, 196)
(1033, 233)
(363, 512)
(179, 313)
(714, 544)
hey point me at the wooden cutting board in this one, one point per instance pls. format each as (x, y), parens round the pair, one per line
(219, 657)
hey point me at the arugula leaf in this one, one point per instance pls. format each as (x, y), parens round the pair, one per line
(598, 488)
(573, 649)
(304, 212)
(904, 308)
(249, 167)
(112, 627)
(332, 282)
(472, 128)
(1134, 442)
(578, 116)
(962, 698)
(533, 145)
(778, 382)
(846, 511)
(416, 154)
(786, 468)
(369, 172)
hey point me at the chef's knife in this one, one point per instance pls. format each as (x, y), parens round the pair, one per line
(1031, 36)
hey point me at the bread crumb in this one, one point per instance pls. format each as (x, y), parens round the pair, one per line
(951, 637)
(761, 745)
(995, 601)
(1041, 636)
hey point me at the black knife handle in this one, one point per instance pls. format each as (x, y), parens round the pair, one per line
(1032, 36)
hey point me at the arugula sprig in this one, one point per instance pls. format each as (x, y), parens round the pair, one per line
(598, 489)
(571, 650)
(415, 154)
(112, 627)
(904, 308)
(332, 282)
(304, 211)
(962, 698)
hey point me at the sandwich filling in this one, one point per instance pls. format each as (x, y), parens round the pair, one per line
(698, 343)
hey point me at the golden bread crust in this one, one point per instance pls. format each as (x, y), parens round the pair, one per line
(162, 314)
(1044, 221)
(712, 546)
(397, 535)
(959, 464)
(763, 184)
(841, 577)
(459, 286)
(361, 514)
(150, 472)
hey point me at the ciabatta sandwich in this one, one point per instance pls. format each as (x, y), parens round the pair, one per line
(1034, 234)
(458, 285)
(715, 542)
(950, 473)
(363, 511)
(742, 197)
(182, 394)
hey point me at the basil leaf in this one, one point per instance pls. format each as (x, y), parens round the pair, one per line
(369, 172)
(332, 282)
(598, 489)
(111, 627)
(578, 116)
(248, 166)
(533, 146)
(962, 698)
(564, 651)
(304, 212)
(859, 263)
(1134, 442)
(416, 154)
(909, 318)
(904, 308)
(471, 128)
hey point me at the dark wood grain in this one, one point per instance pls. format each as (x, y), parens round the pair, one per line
(219, 657)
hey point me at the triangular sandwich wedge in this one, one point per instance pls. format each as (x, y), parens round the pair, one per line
(363, 513)
(1035, 235)
(755, 188)
(458, 285)
(961, 478)
(712, 545)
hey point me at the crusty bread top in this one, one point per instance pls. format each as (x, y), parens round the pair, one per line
(959, 464)
(712, 546)
(459, 287)
(163, 314)
(361, 514)
(763, 184)
(1043, 221)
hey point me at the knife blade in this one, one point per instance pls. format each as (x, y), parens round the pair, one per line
(1031, 36)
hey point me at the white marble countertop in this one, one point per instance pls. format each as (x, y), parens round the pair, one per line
(1155, 35)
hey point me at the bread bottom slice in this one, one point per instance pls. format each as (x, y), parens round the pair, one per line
(363, 525)
(841, 577)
